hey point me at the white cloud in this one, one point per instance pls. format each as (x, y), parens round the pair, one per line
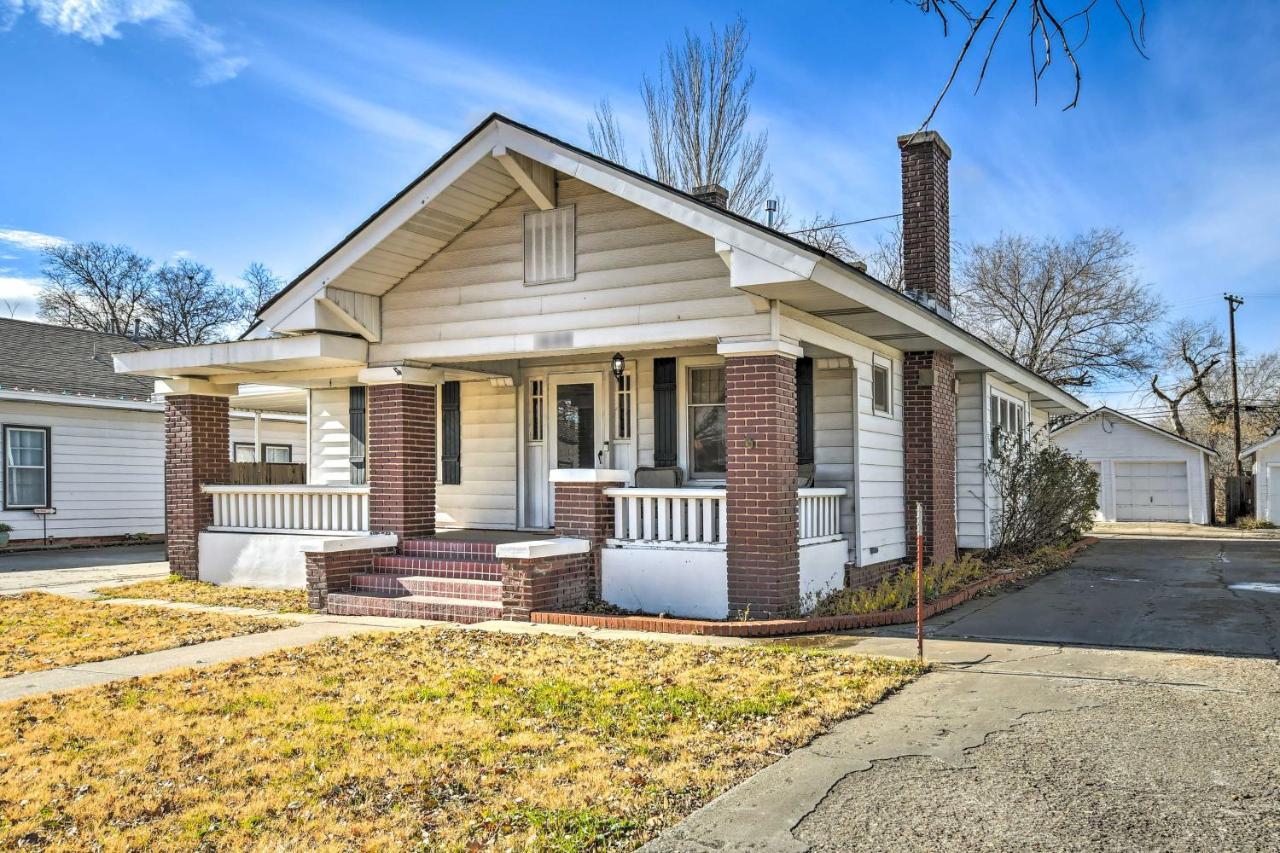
(98, 20)
(30, 241)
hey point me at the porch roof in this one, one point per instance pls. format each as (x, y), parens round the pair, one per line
(261, 360)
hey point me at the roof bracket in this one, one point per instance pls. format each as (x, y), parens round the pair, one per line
(538, 180)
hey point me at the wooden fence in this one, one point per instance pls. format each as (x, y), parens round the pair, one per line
(268, 473)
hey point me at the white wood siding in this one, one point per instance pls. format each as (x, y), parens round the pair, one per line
(881, 471)
(1267, 482)
(486, 498)
(633, 266)
(330, 427)
(971, 455)
(108, 470)
(835, 441)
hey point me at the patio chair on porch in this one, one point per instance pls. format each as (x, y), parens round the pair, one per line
(804, 475)
(659, 478)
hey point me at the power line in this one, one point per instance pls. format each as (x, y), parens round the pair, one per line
(843, 224)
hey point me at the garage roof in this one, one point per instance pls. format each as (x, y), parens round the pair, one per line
(1090, 415)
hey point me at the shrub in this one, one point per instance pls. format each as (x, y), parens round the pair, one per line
(1249, 522)
(1043, 495)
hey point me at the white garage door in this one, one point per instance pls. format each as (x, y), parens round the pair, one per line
(1151, 491)
(1273, 484)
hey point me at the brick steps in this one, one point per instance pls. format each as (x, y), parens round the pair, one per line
(448, 549)
(460, 588)
(480, 570)
(371, 603)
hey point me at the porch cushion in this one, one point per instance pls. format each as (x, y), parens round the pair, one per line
(804, 475)
(659, 478)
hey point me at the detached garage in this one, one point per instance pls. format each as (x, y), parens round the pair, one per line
(1147, 473)
(1265, 458)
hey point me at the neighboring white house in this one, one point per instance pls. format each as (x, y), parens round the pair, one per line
(89, 443)
(1148, 474)
(1266, 478)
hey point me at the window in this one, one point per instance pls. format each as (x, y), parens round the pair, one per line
(277, 454)
(881, 388)
(358, 430)
(451, 433)
(26, 467)
(549, 245)
(1008, 417)
(242, 451)
(537, 398)
(622, 405)
(706, 423)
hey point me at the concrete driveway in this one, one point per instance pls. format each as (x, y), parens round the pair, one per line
(1044, 728)
(80, 569)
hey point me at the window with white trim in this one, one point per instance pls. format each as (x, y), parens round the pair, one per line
(622, 408)
(244, 451)
(706, 412)
(277, 454)
(881, 386)
(550, 245)
(26, 467)
(1008, 417)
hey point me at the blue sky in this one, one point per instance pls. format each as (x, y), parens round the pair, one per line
(234, 132)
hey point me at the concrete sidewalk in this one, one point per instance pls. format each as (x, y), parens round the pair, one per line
(313, 628)
(1171, 530)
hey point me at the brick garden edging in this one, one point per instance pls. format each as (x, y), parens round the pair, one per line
(784, 627)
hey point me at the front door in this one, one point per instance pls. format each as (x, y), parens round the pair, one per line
(576, 434)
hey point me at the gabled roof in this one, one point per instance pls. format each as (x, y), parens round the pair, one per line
(75, 362)
(467, 182)
(1266, 442)
(1164, 433)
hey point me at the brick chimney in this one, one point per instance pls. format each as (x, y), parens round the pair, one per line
(926, 217)
(712, 194)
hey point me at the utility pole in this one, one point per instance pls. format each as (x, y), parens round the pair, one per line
(1233, 303)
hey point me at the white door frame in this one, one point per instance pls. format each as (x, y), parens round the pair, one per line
(595, 378)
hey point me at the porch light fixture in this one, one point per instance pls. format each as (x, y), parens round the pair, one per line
(619, 365)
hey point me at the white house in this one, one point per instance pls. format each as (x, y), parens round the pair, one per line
(1265, 456)
(1147, 473)
(716, 417)
(88, 443)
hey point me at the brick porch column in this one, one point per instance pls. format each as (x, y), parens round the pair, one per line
(196, 451)
(583, 511)
(929, 433)
(401, 451)
(760, 426)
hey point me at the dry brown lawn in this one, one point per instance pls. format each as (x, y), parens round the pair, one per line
(175, 588)
(42, 631)
(435, 738)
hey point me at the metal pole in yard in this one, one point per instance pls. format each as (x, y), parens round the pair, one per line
(919, 580)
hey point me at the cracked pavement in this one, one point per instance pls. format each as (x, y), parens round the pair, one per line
(1044, 728)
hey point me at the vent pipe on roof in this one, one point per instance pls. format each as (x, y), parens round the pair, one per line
(712, 194)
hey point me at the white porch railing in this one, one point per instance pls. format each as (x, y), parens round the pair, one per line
(290, 509)
(658, 518)
(698, 518)
(819, 514)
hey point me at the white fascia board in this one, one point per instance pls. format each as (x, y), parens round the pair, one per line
(892, 304)
(722, 227)
(1266, 442)
(177, 360)
(79, 400)
(378, 230)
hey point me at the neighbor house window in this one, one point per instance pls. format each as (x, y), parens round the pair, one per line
(242, 451)
(549, 245)
(277, 454)
(622, 405)
(706, 423)
(1008, 417)
(26, 467)
(881, 388)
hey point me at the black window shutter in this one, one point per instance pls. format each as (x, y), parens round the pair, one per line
(451, 426)
(804, 411)
(359, 436)
(665, 429)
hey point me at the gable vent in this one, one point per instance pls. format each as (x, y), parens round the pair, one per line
(549, 245)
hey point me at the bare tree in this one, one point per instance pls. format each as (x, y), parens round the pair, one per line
(10, 307)
(1061, 25)
(94, 286)
(825, 233)
(187, 304)
(1190, 352)
(1073, 312)
(885, 261)
(697, 111)
(259, 285)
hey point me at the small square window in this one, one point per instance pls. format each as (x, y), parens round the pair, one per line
(243, 451)
(277, 453)
(880, 385)
(550, 245)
